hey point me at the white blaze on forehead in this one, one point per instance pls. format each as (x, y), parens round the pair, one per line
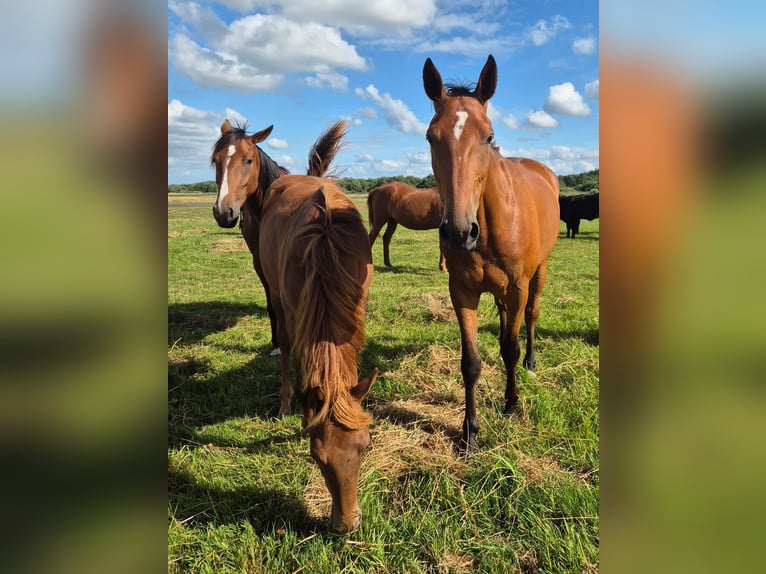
(459, 124)
(225, 179)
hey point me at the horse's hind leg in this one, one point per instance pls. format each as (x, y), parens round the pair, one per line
(442, 266)
(390, 228)
(532, 311)
(286, 389)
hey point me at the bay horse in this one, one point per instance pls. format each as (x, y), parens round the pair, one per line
(499, 226)
(395, 203)
(243, 173)
(318, 264)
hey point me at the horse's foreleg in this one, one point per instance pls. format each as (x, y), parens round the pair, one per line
(509, 346)
(465, 305)
(532, 311)
(390, 228)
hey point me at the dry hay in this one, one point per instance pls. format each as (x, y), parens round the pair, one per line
(439, 306)
(451, 562)
(413, 434)
(229, 245)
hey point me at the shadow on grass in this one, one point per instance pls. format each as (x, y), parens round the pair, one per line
(405, 269)
(266, 509)
(588, 335)
(198, 396)
(192, 322)
(196, 399)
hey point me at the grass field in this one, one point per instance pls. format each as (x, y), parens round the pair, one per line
(244, 495)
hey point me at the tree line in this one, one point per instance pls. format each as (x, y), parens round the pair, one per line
(575, 183)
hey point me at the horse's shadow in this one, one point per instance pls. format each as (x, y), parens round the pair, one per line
(190, 323)
(405, 270)
(264, 508)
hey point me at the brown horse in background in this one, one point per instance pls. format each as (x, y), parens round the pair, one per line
(396, 202)
(318, 264)
(243, 173)
(499, 225)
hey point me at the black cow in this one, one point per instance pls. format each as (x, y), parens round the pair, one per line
(573, 208)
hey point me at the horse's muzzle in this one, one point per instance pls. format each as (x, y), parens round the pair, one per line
(465, 240)
(227, 218)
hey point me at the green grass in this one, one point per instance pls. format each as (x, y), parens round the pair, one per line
(244, 495)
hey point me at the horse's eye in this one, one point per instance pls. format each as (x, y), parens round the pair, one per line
(490, 138)
(248, 161)
(428, 138)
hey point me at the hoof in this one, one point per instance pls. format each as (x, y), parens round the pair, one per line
(467, 447)
(275, 352)
(512, 410)
(529, 366)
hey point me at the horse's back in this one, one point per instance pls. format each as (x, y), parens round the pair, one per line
(291, 211)
(420, 209)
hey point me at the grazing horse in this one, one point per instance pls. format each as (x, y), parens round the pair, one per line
(499, 225)
(396, 202)
(318, 264)
(243, 173)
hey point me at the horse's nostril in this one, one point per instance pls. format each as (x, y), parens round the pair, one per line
(474, 233)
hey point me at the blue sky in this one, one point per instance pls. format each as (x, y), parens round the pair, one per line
(303, 64)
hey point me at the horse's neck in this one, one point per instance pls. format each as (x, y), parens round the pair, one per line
(498, 194)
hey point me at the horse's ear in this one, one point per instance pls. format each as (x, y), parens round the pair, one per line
(363, 387)
(432, 81)
(225, 126)
(485, 87)
(261, 135)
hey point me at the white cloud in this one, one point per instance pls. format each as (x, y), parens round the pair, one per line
(543, 31)
(511, 121)
(539, 119)
(359, 17)
(367, 113)
(256, 52)
(211, 69)
(352, 120)
(396, 112)
(493, 113)
(584, 45)
(591, 90)
(331, 80)
(365, 157)
(563, 160)
(276, 143)
(564, 100)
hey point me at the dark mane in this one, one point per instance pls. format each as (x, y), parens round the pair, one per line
(270, 170)
(464, 89)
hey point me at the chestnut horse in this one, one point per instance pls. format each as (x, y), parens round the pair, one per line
(499, 226)
(318, 264)
(396, 202)
(243, 173)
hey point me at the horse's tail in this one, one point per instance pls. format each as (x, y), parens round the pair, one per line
(330, 316)
(325, 149)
